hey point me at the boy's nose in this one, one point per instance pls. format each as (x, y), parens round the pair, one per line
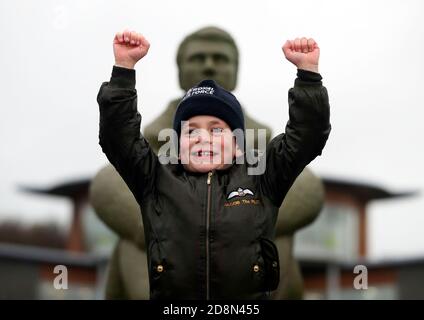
(204, 137)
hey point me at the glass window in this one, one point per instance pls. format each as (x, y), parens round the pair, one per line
(98, 238)
(333, 235)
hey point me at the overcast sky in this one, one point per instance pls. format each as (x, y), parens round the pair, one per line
(55, 54)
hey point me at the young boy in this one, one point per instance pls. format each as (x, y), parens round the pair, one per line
(209, 224)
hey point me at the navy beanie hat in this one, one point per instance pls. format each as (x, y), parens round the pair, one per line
(208, 98)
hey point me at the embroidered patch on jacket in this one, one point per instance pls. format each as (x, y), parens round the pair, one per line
(240, 192)
(235, 203)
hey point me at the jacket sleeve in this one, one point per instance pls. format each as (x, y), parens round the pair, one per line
(119, 135)
(305, 136)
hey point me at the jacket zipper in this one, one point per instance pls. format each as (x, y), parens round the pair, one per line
(208, 213)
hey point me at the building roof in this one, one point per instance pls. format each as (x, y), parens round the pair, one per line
(363, 191)
(311, 264)
(71, 189)
(48, 255)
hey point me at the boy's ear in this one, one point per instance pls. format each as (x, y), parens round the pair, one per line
(239, 152)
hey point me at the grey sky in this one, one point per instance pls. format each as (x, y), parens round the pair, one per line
(55, 54)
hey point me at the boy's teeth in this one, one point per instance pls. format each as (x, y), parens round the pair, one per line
(204, 153)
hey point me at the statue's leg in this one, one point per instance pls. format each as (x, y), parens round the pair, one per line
(133, 265)
(300, 208)
(291, 282)
(114, 285)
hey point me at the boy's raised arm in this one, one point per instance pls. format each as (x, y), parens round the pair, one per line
(308, 127)
(119, 134)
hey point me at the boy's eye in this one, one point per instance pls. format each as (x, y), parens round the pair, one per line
(191, 132)
(217, 130)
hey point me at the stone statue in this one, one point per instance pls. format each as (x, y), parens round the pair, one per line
(207, 53)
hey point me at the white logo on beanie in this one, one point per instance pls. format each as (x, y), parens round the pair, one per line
(199, 90)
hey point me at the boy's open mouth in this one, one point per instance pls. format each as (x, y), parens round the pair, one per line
(202, 153)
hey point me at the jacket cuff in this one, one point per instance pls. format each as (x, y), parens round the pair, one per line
(123, 77)
(309, 76)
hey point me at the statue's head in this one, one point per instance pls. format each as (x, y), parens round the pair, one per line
(208, 53)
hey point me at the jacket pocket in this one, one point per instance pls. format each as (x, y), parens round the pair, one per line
(156, 264)
(271, 261)
(159, 272)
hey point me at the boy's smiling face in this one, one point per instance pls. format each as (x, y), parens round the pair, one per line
(206, 143)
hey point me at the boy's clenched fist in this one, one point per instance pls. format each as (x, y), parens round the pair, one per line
(129, 47)
(303, 53)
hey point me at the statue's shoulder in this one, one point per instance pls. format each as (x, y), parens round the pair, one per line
(164, 120)
(252, 123)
